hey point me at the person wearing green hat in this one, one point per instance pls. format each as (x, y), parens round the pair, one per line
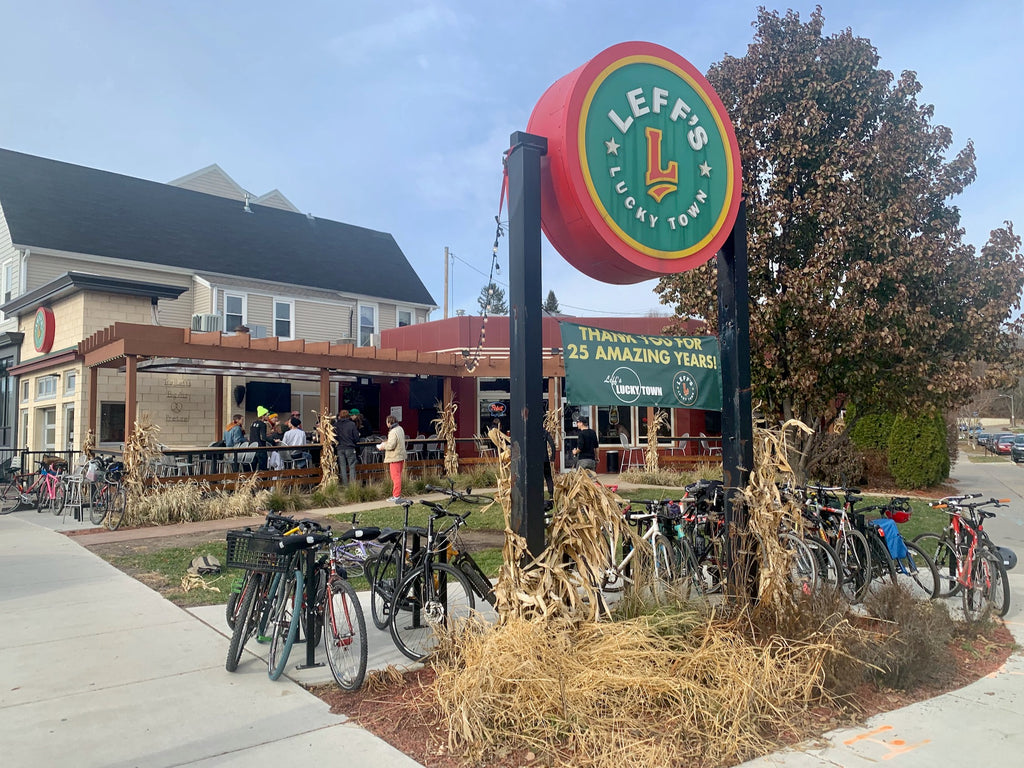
(258, 435)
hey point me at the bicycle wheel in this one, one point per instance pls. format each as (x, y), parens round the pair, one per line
(475, 498)
(97, 504)
(941, 553)
(425, 606)
(919, 569)
(10, 498)
(239, 587)
(312, 634)
(42, 497)
(664, 563)
(882, 567)
(855, 557)
(284, 625)
(615, 573)
(117, 499)
(60, 499)
(475, 576)
(827, 564)
(976, 596)
(244, 622)
(803, 566)
(999, 589)
(383, 577)
(345, 635)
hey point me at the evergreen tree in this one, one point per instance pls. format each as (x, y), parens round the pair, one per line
(550, 303)
(492, 300)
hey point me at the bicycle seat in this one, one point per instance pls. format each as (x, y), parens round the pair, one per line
(295, 542)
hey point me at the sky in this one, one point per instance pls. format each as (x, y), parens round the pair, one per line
(394, 115)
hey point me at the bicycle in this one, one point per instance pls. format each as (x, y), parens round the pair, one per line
(658, 556)
(433, 596)
(273, 523)
(22, 490)
(456, 495)
(967, 559)
(458, 555)
(830, 520)
(108, 500)
(904, 559)
(49, 495)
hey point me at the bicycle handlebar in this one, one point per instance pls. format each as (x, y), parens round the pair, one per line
(295, 542)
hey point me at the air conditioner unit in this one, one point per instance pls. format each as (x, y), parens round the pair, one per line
(206, 323)
(257, 331)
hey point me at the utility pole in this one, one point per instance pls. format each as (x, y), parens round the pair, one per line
(446, 282)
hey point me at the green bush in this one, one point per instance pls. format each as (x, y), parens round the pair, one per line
(872, 430)
(918, 457)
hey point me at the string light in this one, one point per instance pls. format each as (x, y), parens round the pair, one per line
(472, 359)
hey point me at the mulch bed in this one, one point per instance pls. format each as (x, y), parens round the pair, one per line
(400, 710)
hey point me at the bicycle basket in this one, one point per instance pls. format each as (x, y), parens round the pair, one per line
(256, 551)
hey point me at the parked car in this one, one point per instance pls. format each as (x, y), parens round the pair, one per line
(1003, 443)
(1017, 449)
(983, 439)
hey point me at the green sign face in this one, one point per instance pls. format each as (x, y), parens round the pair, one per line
(657, 157)
(609, 368)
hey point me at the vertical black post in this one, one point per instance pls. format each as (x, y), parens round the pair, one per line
(525, 356)
(734, 341)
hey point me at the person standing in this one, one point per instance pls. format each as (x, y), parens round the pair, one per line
(347, 434)
(258, 435)
(394, 455)
(586, 445)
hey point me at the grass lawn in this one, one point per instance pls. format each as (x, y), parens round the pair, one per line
(163, 570)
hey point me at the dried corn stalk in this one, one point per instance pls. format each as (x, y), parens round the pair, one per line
(553, 425)
(89, 445)
(444, 428)
(328, 460)
(651, 456)
(767, 514)
(564, 581)
(141, 453)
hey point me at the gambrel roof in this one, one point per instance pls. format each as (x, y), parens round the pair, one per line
(63, 207)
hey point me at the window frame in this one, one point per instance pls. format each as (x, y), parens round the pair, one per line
(72, 377)
(359, 327)
(47, 392)
(290, 303)
(398, 316)
(245, 310)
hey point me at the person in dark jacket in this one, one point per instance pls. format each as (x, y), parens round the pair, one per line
(258, 435)
(586, 445)
(347, 434)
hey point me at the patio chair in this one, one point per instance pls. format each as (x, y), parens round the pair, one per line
(707, 448)
(632, 456)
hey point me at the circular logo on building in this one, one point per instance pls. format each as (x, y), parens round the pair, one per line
(684, 387)
(643, 147)
(43, 330)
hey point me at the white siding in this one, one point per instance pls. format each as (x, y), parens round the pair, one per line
(211, 181)
(8, 253)
(324, 322)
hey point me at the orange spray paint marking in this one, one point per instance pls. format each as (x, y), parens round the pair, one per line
(895, 747)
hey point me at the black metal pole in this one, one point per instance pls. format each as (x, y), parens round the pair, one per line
(734, 341)
(525, 323)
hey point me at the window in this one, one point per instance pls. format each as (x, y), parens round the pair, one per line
(48, 429)
(24, 390)
(69, 427)
(367, 324)
(234, 311)
(111, 422)
(8, 281)
(46, 387)
(609, 417)
(70, 382)
(405, 317)
(283, 312)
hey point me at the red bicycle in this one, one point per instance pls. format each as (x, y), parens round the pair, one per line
(31, 489)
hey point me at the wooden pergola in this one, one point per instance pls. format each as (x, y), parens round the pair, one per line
(136, 348)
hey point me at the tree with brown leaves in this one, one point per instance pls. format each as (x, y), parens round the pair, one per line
(861, 287)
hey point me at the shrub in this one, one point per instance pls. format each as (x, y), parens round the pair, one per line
(872, 431)
(918, 456)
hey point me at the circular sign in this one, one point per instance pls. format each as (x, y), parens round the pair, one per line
(684, 387)
(642, 175)
(42, 331)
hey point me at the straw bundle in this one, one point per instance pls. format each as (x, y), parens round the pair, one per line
(89, 445)
(444, 428)
(553, 425)
(141, 451)
(667, 689)
(328, 458)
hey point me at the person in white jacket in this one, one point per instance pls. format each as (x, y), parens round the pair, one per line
(394, 455)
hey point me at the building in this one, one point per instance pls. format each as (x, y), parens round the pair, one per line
(81, 249)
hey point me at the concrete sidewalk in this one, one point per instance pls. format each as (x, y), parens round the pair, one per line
(97, 669)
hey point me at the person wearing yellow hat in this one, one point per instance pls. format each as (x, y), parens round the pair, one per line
(258, 435)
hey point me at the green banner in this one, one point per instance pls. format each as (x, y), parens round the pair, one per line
(609, 368)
